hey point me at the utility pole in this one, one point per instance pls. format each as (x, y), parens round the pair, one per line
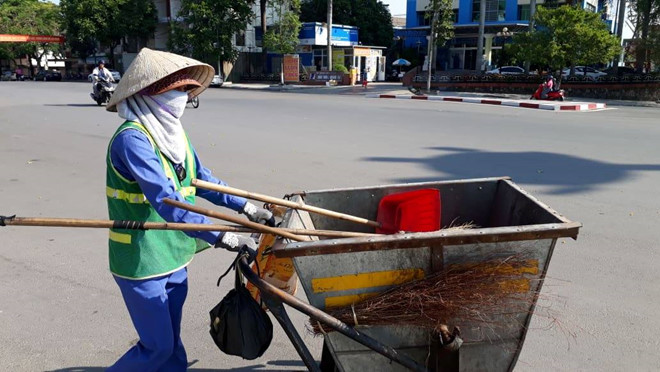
(431, 47)
(619, 30)
(329, 35)
(480, 40)
(532, 11)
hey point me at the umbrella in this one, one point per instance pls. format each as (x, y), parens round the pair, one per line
(401, 62)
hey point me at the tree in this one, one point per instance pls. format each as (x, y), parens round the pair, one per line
(645, 16)
(565, 36)
(654, 45)
(283, 36)
(442, 29)
(107, 21)
(30, 17)
(205, 29)
(372, 17)
(444, 25)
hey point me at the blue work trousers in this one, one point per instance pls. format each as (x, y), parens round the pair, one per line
(155, 306)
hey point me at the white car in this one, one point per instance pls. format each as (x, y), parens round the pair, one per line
(217, 81)
(507, 70)
(580, 70)
(115, 75)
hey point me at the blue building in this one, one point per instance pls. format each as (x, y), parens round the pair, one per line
(503, 18)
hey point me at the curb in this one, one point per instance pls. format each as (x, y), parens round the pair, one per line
(555, 106)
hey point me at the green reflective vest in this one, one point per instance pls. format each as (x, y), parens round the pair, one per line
(142, 254)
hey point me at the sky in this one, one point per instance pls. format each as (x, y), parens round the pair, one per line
(397, 7)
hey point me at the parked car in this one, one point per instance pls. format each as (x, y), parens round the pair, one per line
(8, 76)
(507, 70)
(622, 71)
(115, 75)
(48, 75)
(580, 71)
(217, 81)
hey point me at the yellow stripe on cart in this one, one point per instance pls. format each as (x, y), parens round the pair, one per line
(362, 281)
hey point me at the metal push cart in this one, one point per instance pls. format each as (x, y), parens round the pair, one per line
(336, 272)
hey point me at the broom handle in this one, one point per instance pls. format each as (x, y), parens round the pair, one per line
(114, 224)
(253, 225)
(107, 224)
(287, 203)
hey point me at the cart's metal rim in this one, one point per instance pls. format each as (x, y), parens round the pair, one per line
(407, 185)
(416, 240)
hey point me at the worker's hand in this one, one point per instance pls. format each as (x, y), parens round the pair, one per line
(259, 215)
(250, 253)
(234, 242)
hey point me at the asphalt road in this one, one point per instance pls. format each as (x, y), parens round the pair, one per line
(60, 310)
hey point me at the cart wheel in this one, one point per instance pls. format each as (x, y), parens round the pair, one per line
(195, 102)
(327, 361)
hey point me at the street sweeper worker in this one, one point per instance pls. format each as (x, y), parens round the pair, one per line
(150, 158)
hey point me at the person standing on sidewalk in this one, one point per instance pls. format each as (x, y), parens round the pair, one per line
(150, 158)
(365, 76)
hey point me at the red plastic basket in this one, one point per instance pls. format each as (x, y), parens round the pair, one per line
(415, 211)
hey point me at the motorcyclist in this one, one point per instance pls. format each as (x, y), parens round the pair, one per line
(100, 73)
(548, 86)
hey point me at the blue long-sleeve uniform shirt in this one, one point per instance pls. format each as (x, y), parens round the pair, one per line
(134, 158)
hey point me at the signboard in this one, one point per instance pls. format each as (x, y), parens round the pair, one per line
(361, 52)
(314, 33)
(5, 38)
(291, 68)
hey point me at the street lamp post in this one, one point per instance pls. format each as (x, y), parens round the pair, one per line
(505, 33)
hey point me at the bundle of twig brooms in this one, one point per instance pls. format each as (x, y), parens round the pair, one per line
(488, 293)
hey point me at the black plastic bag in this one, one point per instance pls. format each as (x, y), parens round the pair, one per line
(239, 326)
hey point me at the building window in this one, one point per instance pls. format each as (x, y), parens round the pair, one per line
(422, 19)
(590, 7)
(495, 10)
(523, 12)
(240, 38)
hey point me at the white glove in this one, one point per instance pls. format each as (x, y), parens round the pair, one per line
(259, 215)
(234, 242)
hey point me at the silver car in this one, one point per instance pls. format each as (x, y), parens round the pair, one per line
(217, 81)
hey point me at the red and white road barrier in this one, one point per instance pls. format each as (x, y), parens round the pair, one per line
(543, 105)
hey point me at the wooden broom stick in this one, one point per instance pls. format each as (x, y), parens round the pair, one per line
(253, 225)
(287, 203)
(107, 224)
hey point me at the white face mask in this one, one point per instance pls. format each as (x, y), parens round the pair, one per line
(172, 101)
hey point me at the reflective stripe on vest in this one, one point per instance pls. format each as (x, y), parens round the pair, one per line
(120, 238)
(138, 198)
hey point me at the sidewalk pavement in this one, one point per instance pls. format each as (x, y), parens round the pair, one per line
(397, 89)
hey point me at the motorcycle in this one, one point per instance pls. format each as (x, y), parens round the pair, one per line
(194, 101)
(553, 95)
(104, 89)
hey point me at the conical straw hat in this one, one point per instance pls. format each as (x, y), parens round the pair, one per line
(150, 66)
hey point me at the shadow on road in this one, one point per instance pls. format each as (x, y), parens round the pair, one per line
(564, 173)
